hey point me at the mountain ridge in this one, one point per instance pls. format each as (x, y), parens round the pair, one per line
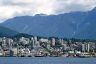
(6, 32)
(70, 25)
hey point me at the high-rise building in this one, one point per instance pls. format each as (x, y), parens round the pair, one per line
(48, 44)
(32, 43)
(83, 47)
(10, 43)
(53, 42)
(61, 41)
(35, 42)
(86, 47)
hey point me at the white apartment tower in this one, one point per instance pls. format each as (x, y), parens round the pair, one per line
(53, 41)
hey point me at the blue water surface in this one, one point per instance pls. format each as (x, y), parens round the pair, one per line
(46, 60)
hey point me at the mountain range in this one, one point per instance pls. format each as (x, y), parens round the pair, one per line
(6, 32)
(69, 25)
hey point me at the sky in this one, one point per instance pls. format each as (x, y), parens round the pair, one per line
(13, 8)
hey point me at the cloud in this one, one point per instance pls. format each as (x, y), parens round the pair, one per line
(12, 8)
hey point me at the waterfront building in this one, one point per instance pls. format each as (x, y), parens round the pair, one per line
(15, 51)
(26, 52)
(1, 52)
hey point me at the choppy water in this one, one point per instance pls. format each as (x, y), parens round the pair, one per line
(46, 60)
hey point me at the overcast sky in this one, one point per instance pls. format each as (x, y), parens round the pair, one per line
(12, 8)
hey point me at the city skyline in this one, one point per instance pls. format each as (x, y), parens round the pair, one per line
(46, 47)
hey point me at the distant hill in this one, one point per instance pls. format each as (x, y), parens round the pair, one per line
(70, 25)
(19, 35)
(6, 32)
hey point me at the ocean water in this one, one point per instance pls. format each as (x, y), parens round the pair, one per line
(46, 60)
